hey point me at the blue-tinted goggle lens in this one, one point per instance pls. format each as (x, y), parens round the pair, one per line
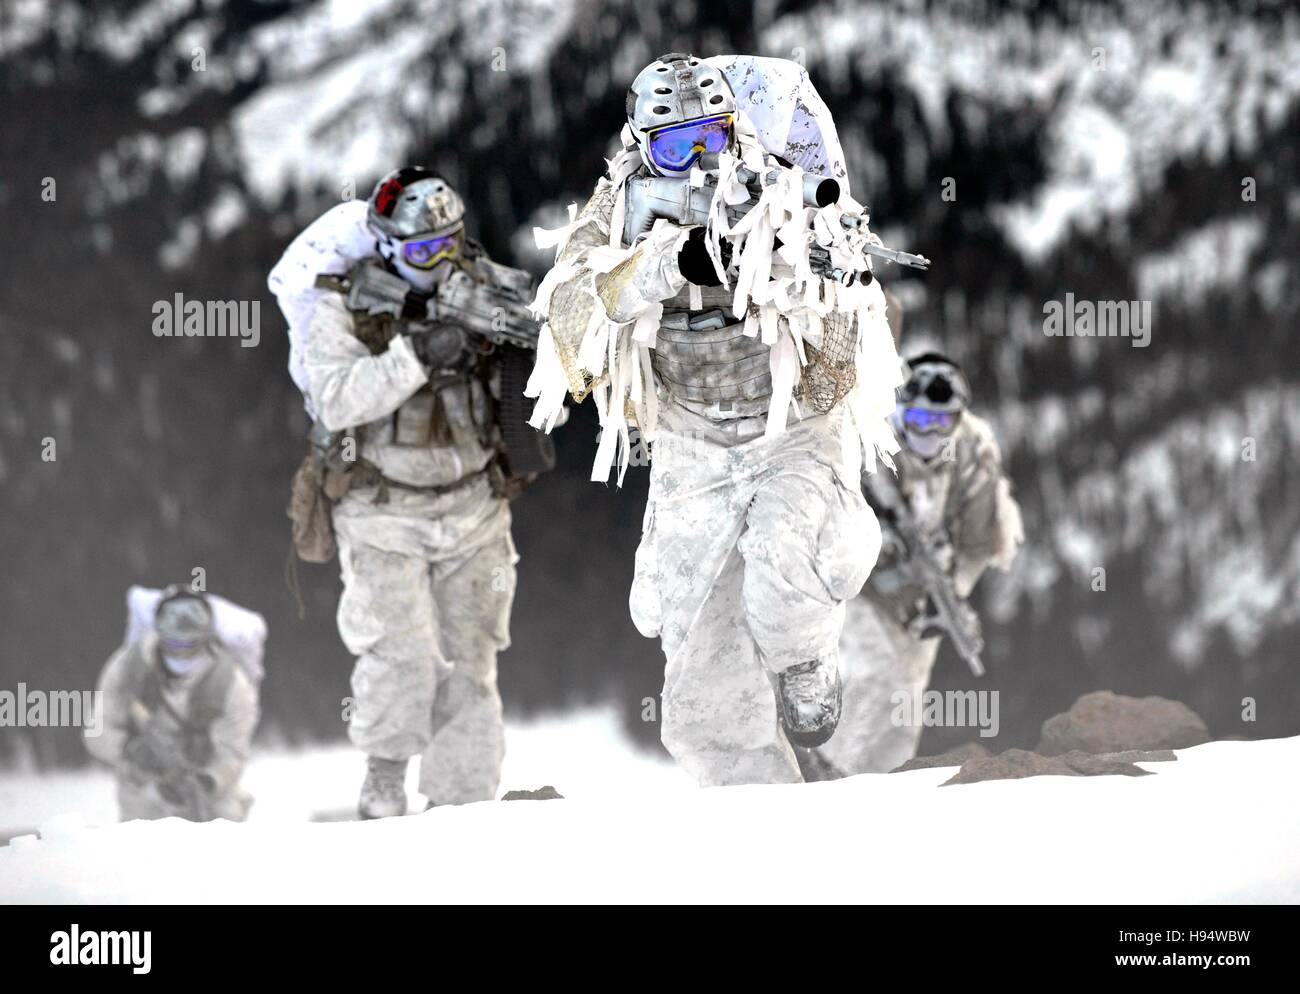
(677, 146)
(921, 419)
(425, 253)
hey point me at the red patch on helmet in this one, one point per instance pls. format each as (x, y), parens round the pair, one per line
(387, 197)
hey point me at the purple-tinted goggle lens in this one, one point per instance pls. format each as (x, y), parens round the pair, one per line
(677, 146)
(921, 419)
(425, 253)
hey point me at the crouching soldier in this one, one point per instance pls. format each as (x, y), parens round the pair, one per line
(180, 706)
(951, 503)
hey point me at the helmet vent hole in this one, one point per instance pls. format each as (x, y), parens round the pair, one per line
(661, 109)
(706, 82)
(716, 98)
(662, 89)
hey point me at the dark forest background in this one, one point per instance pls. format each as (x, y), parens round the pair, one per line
(1125, 181)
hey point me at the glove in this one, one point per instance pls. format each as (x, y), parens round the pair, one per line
(694, 263)
(942, 551)
(439, 345)
(140, 756)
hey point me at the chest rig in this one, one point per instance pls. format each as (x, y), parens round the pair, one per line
(704, 357)
(454, 407)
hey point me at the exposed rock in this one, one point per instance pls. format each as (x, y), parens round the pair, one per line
(1106, 722)
(953, 757)
(1142, 756)
(1015, 764)
(547, 793)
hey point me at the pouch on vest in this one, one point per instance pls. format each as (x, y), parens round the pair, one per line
(322, 479)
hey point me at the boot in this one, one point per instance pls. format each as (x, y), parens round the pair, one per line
(808, 696)
(383, 795)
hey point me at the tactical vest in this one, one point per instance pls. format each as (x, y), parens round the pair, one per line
(207, 703)
(424, 418)
(704, 357)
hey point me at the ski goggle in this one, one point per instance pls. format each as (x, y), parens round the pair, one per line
(425, 253)
(677, 146)
(924, 420)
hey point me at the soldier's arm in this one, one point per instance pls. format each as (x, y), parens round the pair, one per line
(114, 711)
(232, 735)
(651, 274)
(349, 385)
(987, 530)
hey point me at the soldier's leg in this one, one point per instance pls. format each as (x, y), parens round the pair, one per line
(883, 670)
(719, 714)
(809, 545)
(473, 594)
(386, 620)
(720, 718)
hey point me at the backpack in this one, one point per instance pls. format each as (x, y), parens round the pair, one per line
(241, 632)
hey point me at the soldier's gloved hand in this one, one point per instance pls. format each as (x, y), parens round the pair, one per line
(439, 345)
(693, 259)
(141, 758)
(941, 548)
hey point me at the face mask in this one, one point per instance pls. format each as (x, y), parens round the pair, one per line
(927, 445)
(423, 280)
(183, 665)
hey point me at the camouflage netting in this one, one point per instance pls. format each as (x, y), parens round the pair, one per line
(831, 371)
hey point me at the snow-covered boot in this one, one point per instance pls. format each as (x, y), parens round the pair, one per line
(383, 795)
(808, 695)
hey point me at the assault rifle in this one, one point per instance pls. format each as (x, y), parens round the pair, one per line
(952, 615)
(491, 303)
(674, 198)
(179, 781)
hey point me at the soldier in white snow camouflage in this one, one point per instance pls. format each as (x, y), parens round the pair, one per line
(756, 531)
(180, 707)
(422, 521)
(950, 474)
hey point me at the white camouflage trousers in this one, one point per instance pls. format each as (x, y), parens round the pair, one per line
(748, 552)
(879, 658)
(428, 582)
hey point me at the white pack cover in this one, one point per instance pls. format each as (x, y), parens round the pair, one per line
(333, 243)
(241, 631)
(787, 112)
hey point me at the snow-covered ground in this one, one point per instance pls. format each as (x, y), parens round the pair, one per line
(1220, 825)
(582, 753)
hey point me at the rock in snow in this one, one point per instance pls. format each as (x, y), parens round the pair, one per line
(1104, 721)
(1016, 764)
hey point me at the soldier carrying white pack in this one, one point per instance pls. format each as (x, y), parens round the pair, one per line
(180, 705)
(412, 348)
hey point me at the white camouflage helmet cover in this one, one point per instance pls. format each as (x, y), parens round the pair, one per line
(672, 89)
